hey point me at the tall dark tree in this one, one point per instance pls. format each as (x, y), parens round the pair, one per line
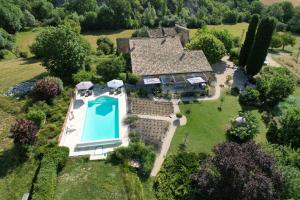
(239, 172)
(246, 48)
(261, 45)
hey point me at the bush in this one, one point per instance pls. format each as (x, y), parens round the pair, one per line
(82, 75)
(49, 131)
(37, 116)
(111, 68)
(174, 179)
(179, 115)
(141, 32)
(243, 131)
(23, 54)
(132, 78)
(250, 97)
(58, 81)
(131, 119)
(234, 54)
(274, 85)
(137, 152)
(46, 89)
(105, 46)
(24, 132)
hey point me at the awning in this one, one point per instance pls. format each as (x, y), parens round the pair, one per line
(151, 81)
(84, 85)
(196, 80)
(115, 83)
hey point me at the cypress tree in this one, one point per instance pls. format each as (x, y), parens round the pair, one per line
(260, 47)
(246, 48)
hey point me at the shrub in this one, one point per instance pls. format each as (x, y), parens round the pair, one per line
(131, 119)
(24, 132)
(234, 54)
(242, 132)
(285, 129)
(82, 75)
(250, 97)
(46, 89)
(111, 68)
(141, 32)
(132, 78)
(174, 179)
(23, 54)
(179, 115)
(58, 81)
(274, 85)
(137, 152)
(49, 131)
(105, 46)
(37, 116)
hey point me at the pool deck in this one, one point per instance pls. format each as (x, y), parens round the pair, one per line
(74, 124)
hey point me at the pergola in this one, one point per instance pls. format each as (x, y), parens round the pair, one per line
(184, 79)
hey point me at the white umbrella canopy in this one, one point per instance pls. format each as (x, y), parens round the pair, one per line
(115, 83)
(84, 85)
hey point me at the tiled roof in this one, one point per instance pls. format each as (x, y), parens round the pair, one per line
(162, 32)
(157, 56)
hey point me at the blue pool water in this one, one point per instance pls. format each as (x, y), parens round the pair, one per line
(101, 120)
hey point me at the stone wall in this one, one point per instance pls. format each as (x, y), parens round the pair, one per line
(123, 45)
(184, 34)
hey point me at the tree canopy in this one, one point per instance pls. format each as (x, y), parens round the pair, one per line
(212, 47)
(238, 171)
(62, 50)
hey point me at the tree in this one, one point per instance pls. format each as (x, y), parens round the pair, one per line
(212, 47)
(10, 17)
(223, 35)
(275, 10)
(288, 10)
(288, 39)
(276, 41)
(75, 26)
(82, 7)
(243, 131)
(173, 180)
(247, 46)
(111, 68)
(28, 19)
(238, 171)
(41, 9)
(105, 46)
(274, 85)
(260, 47)
(286, 129)
(149, 16)
(24, 132)
(230, 17)
(63, 51)
(6, 40)
(293, 23)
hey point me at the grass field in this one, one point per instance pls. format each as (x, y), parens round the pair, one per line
(269, 2)
(83, 179)
(206, 125)
(17, 70)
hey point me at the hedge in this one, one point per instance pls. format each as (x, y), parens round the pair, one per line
(45, 185)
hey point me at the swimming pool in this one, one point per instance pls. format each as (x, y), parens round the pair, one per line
(101, 120)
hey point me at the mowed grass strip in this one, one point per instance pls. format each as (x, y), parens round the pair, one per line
(16, 71)
(206, 125)
(83, 179)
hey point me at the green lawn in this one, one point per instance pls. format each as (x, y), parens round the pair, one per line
(95, 180)
(206, 125)
(235, 29)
